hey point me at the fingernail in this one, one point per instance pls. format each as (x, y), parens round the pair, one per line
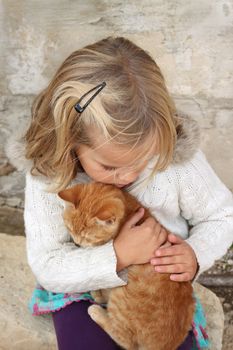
(157, 268)
(139, 211)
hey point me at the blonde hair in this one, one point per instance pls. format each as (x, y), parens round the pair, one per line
(134, 106)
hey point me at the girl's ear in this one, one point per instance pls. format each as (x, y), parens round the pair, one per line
(71, 195)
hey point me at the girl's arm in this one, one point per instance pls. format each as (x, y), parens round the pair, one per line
(208, 206)
(60, 266)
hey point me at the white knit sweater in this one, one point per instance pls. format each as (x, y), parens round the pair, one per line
(187, 198)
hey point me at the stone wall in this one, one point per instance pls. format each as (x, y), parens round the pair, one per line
(190, 40)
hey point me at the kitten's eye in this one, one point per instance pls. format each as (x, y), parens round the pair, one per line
(110, 221)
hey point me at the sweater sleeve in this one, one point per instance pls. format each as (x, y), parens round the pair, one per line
(207, 205)
(59, 265)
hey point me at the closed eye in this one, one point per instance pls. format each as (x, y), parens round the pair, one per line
(108, 168)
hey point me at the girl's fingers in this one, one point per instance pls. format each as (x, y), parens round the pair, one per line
(182, 277)
(170, 251)
(176, 259)
(174, 239)
(135, 218)
(165, 245)
(176, 268)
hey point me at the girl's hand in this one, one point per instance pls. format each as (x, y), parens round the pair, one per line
(136, 244)
(179, 260)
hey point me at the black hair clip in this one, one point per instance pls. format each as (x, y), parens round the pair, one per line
(79, 108)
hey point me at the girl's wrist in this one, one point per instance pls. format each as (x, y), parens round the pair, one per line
(120, 266)
(197, 270)
(121, 263)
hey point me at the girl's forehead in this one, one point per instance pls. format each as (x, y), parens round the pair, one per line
(112, 153)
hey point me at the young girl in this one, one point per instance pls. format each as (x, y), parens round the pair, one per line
(107, 116)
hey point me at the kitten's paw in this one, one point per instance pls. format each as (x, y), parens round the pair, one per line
(98, 297)
(95, 312)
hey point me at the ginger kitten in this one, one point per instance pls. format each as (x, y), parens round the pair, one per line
(151, 312)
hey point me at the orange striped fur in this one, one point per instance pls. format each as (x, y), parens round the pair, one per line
(151, 312)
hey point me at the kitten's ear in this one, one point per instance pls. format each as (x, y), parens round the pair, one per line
(110, 211)
(70, 195)
(105, 217)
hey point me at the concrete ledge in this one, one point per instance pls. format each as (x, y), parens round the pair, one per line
(21, 331)
(214, 315)
(217, 280)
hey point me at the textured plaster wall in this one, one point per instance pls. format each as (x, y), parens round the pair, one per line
(190, 40)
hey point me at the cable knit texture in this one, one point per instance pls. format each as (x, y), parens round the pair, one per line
(57, 263)
(187, 198)
(191, 201)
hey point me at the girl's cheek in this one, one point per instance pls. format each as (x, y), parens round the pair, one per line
(99, 176)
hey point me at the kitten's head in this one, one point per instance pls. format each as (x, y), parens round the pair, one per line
(94, 212)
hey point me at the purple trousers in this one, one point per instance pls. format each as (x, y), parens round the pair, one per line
(75, 330)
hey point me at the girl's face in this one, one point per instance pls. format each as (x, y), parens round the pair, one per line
(111, 163)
